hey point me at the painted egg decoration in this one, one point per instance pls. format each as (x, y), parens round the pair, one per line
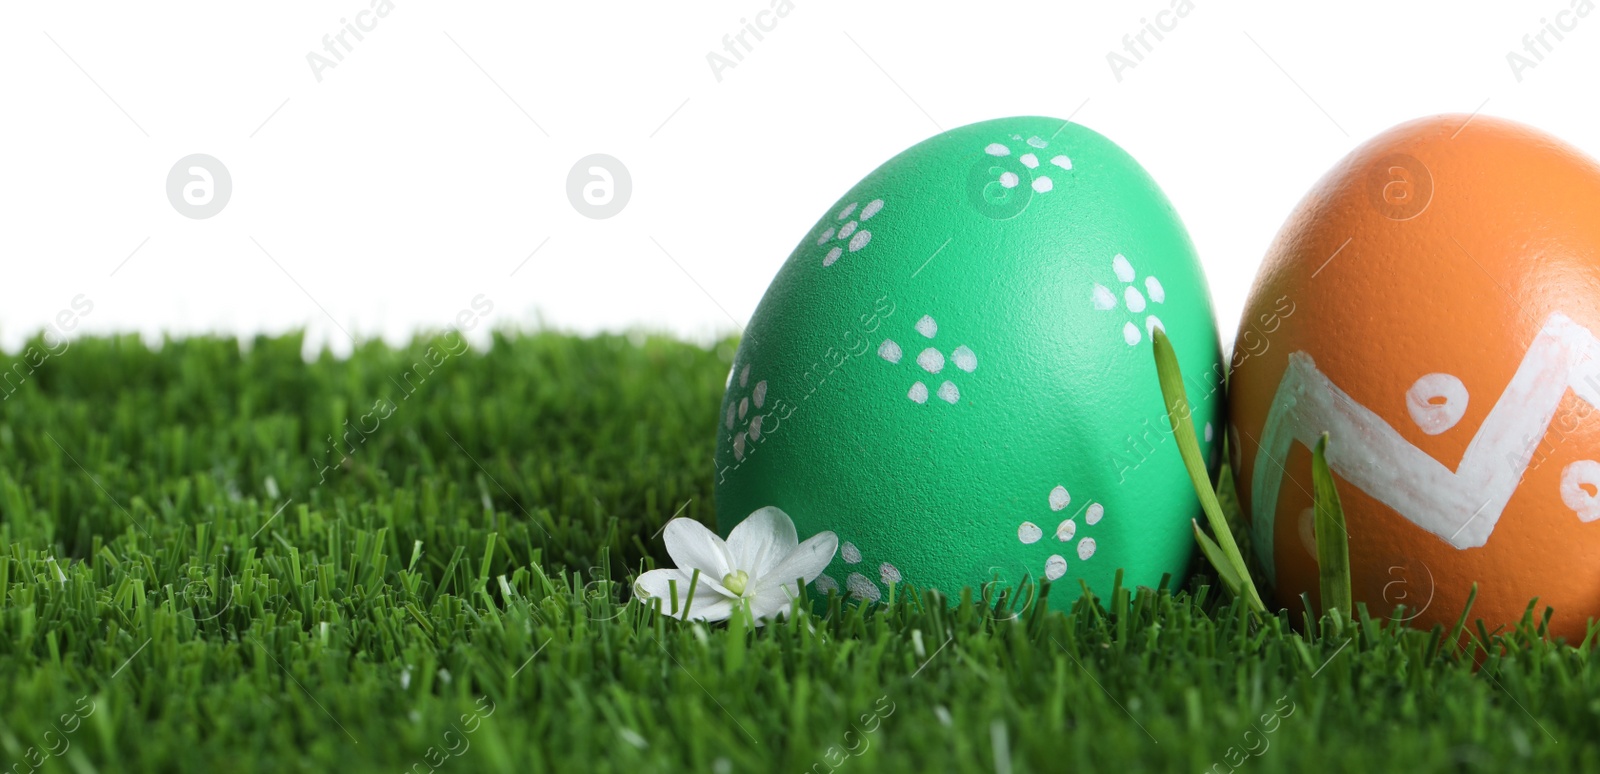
(1432, 305)
(953, 372)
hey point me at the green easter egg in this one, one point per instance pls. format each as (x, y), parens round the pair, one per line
(953, 372)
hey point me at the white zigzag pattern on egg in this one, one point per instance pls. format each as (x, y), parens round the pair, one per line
(1460, 506)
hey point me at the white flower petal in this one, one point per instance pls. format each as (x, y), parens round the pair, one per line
(771, 602)
(805, 562)
(711, 601)
(657, 584)
(714, 608)
(762, 540)
(693, 547)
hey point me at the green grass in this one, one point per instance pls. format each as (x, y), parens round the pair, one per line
(474, 550)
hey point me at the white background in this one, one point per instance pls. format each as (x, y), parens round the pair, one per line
(430, 162)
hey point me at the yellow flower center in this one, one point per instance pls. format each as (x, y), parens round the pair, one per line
(736, 581)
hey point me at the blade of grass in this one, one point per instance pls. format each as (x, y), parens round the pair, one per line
(1218, 560)
(1189, 448)
(1333, 542)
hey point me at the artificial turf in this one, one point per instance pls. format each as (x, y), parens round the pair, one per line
(194, 581)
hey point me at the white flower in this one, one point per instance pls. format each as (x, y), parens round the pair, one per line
(759, 566)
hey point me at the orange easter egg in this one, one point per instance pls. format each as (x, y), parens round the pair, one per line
(1433, 304)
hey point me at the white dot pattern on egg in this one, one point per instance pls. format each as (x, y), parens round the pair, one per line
(1055, 566)
(1577, 479)
(826, 584)
(1040, 183)
(863, 588)
(746, 410)
(932, 361)
(851, 554)
(860, 584)
(1060, 498)
(1437, 402)
(1134, 299)
(964, 358)
(1066, 531)
(850, 233)
(1105, 300)
(857, 583)
(1122, 267)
